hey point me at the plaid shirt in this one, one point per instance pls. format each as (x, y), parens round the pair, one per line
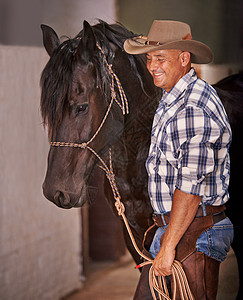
(189, 148)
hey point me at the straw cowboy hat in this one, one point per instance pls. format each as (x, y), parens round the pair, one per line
(170, 35)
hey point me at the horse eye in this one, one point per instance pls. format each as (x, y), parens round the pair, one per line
(81, 108)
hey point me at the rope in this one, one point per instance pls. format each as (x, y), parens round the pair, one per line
(124, 103)
(178, 274)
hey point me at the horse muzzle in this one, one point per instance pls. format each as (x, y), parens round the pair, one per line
(63, 199)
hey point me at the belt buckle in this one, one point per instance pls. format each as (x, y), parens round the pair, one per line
(154, 216)
(159, 220)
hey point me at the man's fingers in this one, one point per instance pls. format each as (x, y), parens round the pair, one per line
(159, 271)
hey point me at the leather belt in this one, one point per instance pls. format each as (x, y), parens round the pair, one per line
(216, 211)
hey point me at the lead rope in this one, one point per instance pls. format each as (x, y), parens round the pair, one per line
(178, 274)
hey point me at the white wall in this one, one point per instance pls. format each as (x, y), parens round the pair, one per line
(39, 243)
(213, 73)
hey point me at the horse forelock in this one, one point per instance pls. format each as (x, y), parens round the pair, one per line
(56, 79)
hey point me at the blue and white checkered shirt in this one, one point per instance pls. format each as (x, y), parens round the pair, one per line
(189, 148)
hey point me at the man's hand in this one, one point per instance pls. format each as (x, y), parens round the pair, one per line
(163, 262)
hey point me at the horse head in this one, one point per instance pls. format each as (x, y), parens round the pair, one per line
(78, 85)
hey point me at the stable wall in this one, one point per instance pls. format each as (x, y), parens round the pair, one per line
(217, 23)
(39, 243)
(20, 20)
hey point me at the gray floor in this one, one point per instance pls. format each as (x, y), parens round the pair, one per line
(118, 281)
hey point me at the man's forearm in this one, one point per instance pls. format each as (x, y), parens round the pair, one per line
(184, 208)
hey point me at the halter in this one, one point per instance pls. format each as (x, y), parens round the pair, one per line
(123, 105)
(177, 270)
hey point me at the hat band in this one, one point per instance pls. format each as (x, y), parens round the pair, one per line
(152, 43)
(148, 43)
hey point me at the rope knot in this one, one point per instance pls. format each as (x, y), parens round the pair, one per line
(113, 94)
(111, 177)
(83, 145)
(119, 206)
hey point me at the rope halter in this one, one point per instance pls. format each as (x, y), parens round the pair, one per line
(123, 104)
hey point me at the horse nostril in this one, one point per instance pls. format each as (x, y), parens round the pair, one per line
(62, 198)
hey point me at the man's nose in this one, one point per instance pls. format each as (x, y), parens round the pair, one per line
(152, 65)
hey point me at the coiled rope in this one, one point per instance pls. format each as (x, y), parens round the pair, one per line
(157, 284)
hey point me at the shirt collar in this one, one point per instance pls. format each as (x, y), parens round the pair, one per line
(179, 87)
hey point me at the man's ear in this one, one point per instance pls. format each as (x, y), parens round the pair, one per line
(185, 58)
(50, 39)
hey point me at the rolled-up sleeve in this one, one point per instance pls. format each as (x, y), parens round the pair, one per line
(194, 136)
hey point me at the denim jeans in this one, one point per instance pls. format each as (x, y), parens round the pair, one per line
(214, 242)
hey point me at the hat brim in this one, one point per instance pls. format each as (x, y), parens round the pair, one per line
(200, 53)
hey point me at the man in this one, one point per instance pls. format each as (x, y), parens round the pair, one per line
(188, 161)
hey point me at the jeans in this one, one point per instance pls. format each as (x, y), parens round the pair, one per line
(214, 242)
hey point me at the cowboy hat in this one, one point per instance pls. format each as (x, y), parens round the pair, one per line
(165, 35)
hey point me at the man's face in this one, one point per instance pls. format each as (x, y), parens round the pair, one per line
(166, 67)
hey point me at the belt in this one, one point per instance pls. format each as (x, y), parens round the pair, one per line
(216, 211)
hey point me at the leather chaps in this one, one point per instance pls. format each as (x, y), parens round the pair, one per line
(201, 271)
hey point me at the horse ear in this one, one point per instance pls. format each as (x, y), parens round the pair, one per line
(87, 45)
(50, 39)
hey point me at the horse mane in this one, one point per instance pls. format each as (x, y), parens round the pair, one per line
(56, 78)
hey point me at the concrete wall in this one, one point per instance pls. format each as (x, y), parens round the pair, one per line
(39, 243)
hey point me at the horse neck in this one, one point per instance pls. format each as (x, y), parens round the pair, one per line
(142, 104)
(134, 143)
(130, 151)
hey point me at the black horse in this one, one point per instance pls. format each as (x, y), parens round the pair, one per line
(79, 82)
(230, 91)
